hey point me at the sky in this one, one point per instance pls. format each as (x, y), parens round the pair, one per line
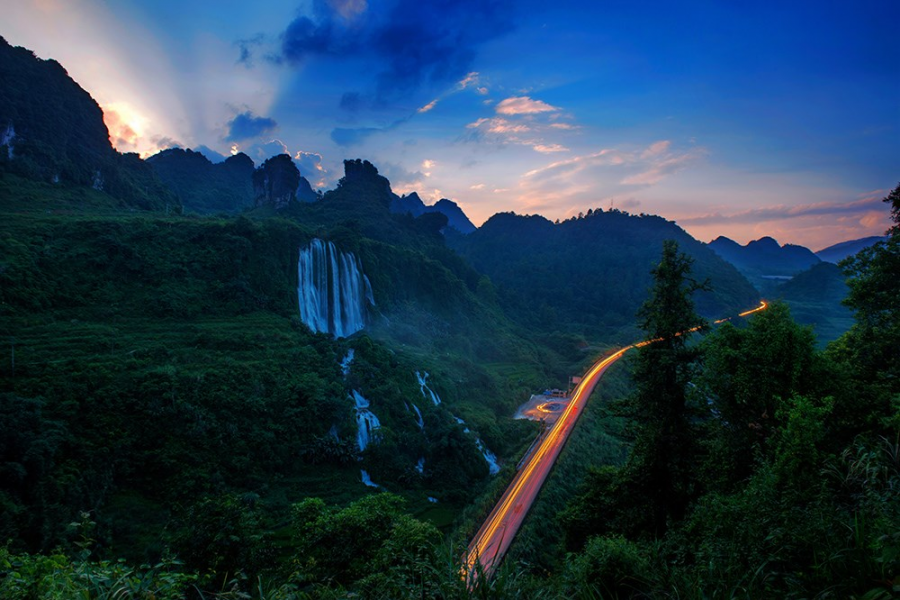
(739, 119)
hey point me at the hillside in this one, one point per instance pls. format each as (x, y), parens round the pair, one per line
(816, 298)
(589, 275)
(764, 262)
(159, 361)
(51, 130)
(838, 252)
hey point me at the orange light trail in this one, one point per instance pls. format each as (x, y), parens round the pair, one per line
(497, 532)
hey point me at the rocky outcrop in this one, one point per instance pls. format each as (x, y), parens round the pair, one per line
(275, 182)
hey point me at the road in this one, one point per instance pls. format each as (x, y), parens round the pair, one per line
(496, 534)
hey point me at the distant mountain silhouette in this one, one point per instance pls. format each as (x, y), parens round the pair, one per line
(591, 272)
(202, 185)
(838, 252)
(52, 130)
(815, 297)
(414, 205)
(765, 256)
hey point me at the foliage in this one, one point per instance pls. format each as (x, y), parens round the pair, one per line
(585, 276)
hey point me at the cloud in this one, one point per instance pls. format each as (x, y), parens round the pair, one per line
(656, 148)
(428, 106)
(123, 136)
(863, 207)
(660, 169)
(470, 79)
(572, 166)
(477, 186)
(403, 181)
(245, 126)
(549, 148)
(405, 43)
(482, 90)
(498, 125)
(260, 152)
(310, 166)
(564, 126)
(523, 105)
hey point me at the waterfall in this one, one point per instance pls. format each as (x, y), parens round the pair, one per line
(489, 457)
(423, 387)
(364, 475)
(419, 420)
(345, 364)
(366, 422)
(6, 139)
(333, 290)
(463, 423)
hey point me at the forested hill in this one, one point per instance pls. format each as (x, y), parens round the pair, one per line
(51, 130)
(592, 272)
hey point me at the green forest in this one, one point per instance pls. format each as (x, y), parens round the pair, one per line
(171, 426)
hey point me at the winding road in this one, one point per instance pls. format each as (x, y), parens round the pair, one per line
(497, 532)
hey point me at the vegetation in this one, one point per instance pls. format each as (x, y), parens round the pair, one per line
(169, 428)
(586, 275)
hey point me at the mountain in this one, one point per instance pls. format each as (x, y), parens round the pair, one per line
(764, 262)
(414, 205)
(51, 130)
(590, 274)
(204, 186)
(764, 256)
(838, 252)
(816, 297)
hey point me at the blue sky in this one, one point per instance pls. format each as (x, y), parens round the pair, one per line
(742, 119)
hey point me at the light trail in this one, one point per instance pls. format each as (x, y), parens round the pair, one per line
(497, 532)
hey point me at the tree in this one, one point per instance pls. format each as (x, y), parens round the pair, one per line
(658, 480)
(874, 290)
(661, 463)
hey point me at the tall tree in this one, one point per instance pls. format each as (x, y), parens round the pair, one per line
(662, 460)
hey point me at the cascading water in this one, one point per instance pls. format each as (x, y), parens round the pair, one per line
(419, 420)
(333, 290)
(420, 465)
(345, 364)
(366, 422)
(367, 481)
(423, 387)
(489, 457)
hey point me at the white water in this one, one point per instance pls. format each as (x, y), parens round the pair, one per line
(432, 499)
(345, 364)
(423, 387)
(332, 289)
(419, 420)
(366, 422)
(6, 139)
(420, 466)
(489, 457)
(461, 422)
(364, 475)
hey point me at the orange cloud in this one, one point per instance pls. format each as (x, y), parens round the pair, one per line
(523, 105)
